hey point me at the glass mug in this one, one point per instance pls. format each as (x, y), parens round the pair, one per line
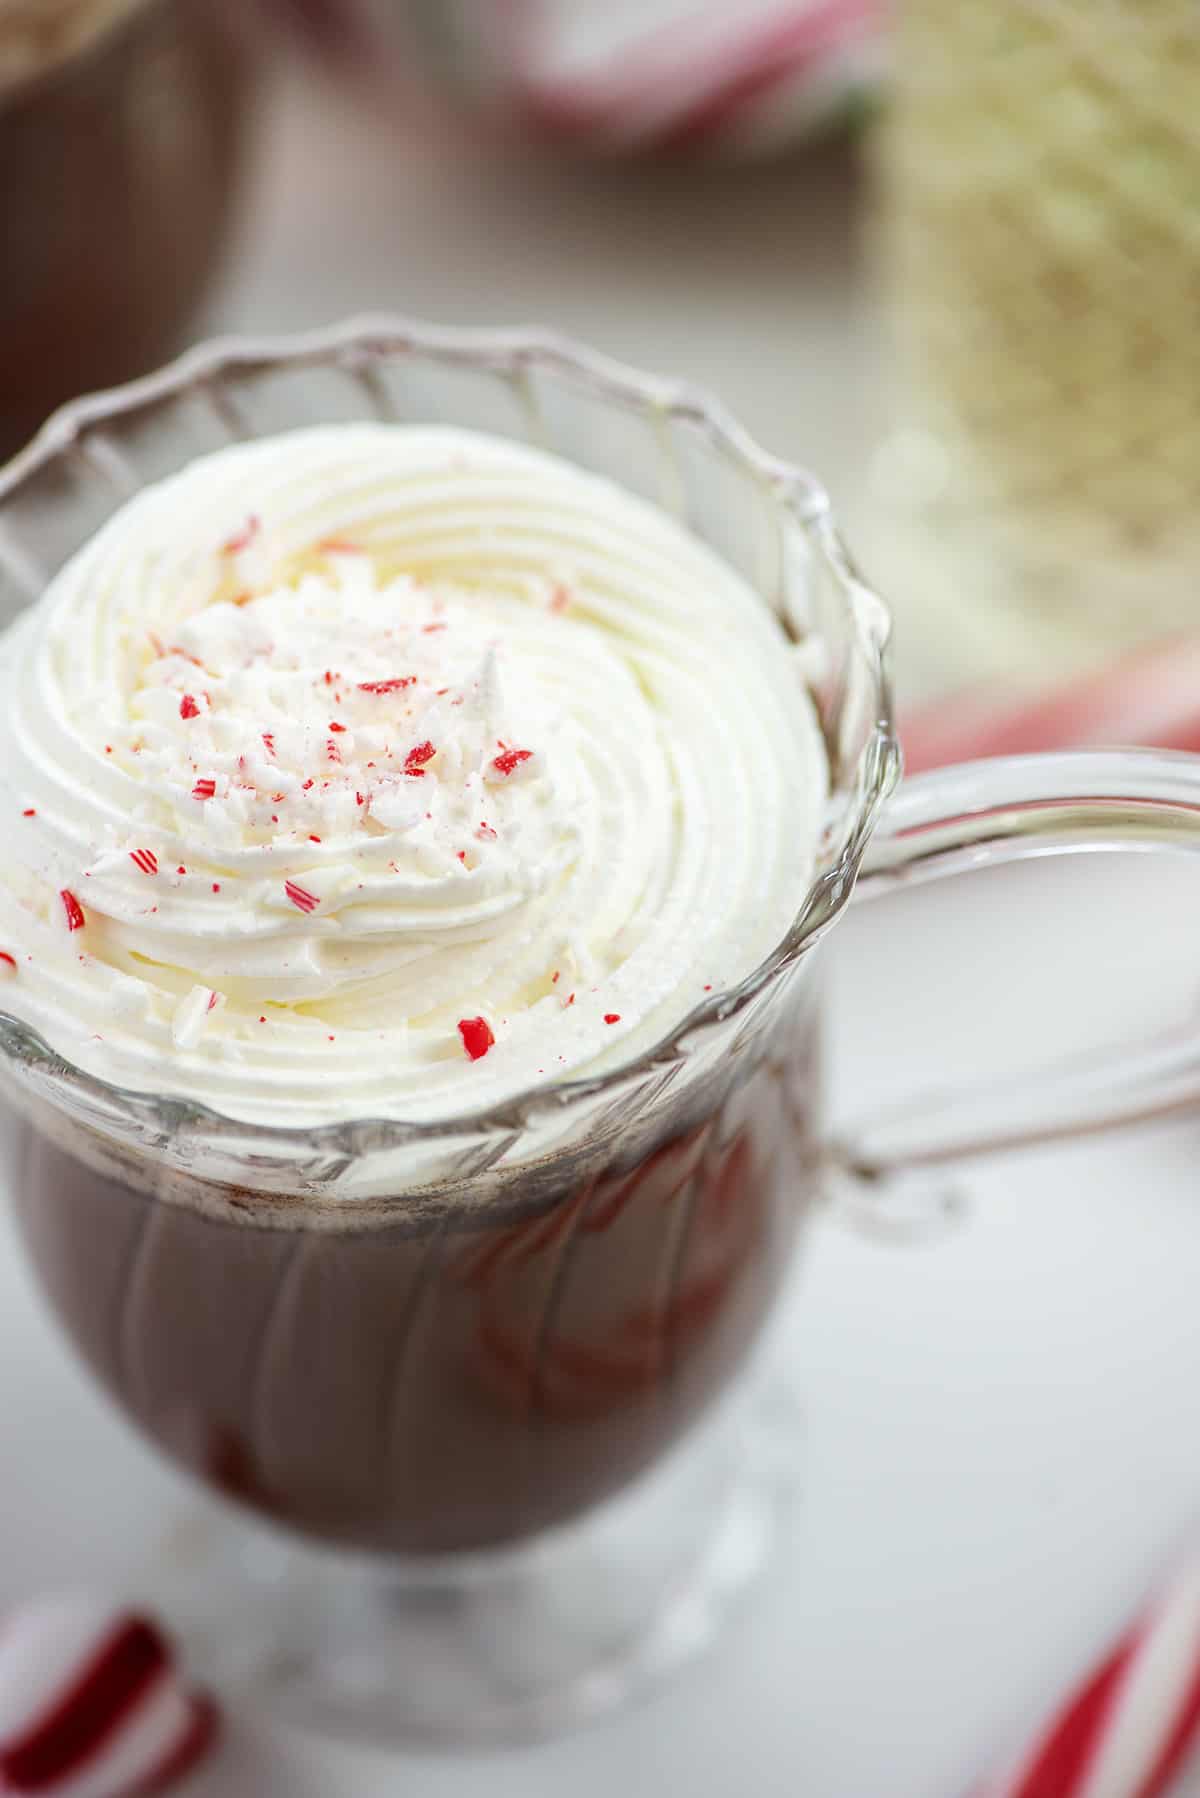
(474, 1367)
(121, 132)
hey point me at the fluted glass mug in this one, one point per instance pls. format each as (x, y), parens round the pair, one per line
(484, 1373)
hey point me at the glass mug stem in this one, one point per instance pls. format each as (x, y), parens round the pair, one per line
(985, 814)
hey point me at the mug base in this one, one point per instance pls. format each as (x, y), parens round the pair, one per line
(513, 1646)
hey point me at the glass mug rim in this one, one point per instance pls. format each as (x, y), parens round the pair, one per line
(791, 491)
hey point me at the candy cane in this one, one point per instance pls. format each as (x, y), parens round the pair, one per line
(91, 1705)
(1127, 1730)
(1150, 696)
(702, 79)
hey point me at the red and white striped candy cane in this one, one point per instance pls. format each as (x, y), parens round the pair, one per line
(1151, 696)
(717, 75)
(91, 1705)
(1127, 1730)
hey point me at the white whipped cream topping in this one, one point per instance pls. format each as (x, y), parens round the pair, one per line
(338, 741)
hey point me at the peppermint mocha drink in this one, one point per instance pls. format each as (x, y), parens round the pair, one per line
(398, 776)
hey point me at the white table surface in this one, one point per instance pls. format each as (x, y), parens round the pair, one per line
(999, 1428)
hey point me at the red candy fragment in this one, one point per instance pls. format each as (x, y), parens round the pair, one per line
(612, 1017)
(205, 789)
(416, 758)
(509, 759)
(188, 707)
(396, 685)
(300, 896)
(145, 860)
(8, 961)
(476, 1036)
(244, 538)
(73, 909)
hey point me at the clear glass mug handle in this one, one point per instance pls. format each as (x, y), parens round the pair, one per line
(979, 815)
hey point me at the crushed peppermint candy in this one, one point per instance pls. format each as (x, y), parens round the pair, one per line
(510, 759)
(416, 758)
(191, 1014)
(75, 914)
(477, 1037)
(396, 684)
(295, 751)
(8, 964)
(612, 1017)
(300, 896)
(233, 546)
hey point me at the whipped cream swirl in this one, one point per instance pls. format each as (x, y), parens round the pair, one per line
(387, 771)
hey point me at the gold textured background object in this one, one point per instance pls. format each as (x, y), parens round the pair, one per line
(1040, 233)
